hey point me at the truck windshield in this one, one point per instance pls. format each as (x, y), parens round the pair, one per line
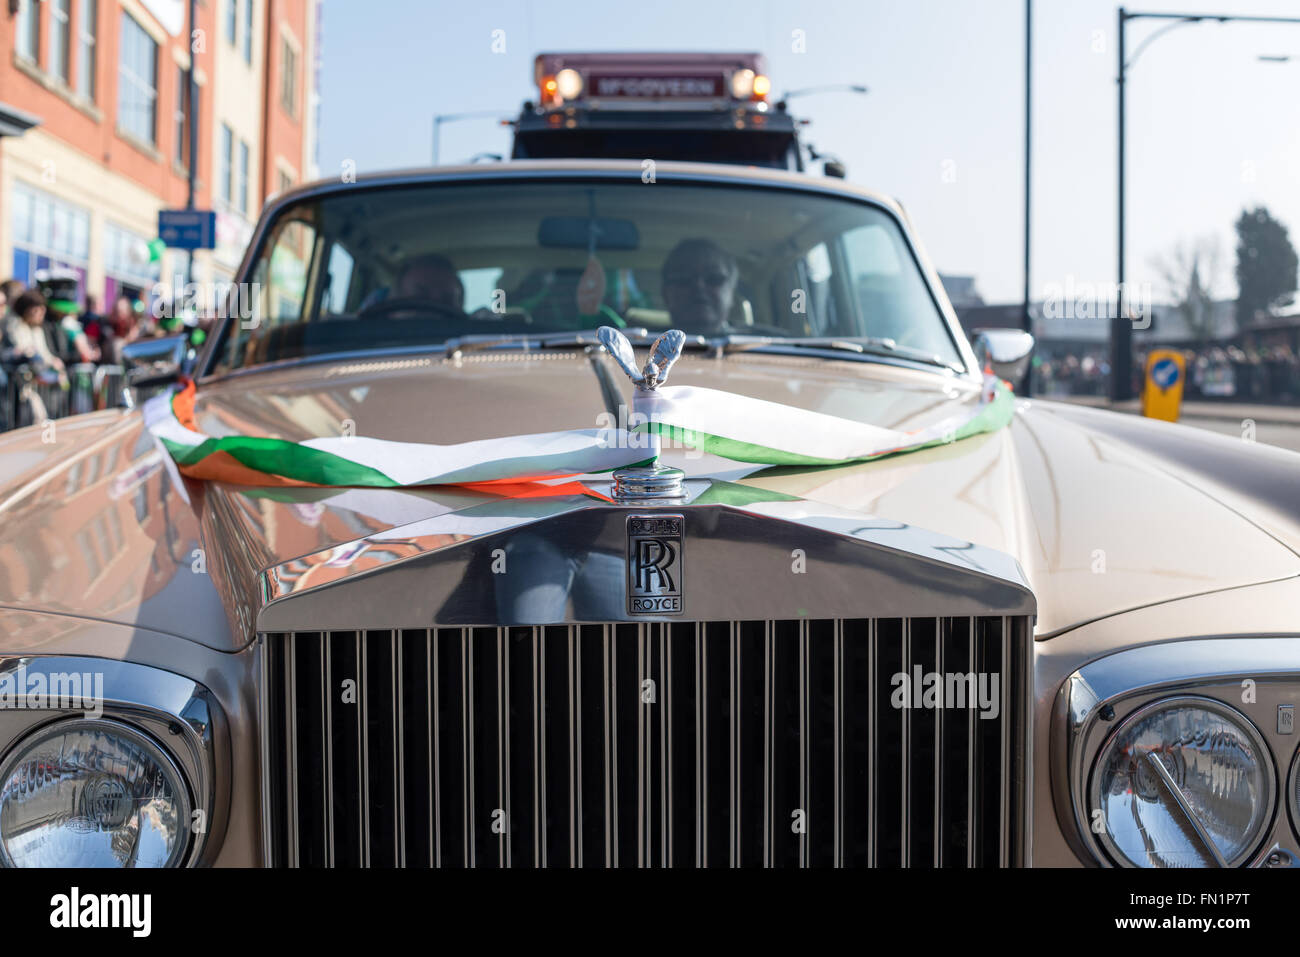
(389, 267)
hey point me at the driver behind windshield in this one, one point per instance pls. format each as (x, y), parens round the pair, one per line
(699, 284)
(431, 278)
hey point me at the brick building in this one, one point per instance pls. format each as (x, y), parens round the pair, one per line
(92, 99)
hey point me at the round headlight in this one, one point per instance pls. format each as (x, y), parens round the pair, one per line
(1184, 782)
(569, 83)
(89, 793)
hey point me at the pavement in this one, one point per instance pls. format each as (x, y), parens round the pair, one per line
(1272, 424)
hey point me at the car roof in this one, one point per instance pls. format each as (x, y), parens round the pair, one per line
(715, 172)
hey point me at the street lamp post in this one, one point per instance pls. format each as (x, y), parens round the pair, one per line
(1121, 329)
(440, 118)
(825, 88)
(191, 95)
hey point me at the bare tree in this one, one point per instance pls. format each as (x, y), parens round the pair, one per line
(1189, 273)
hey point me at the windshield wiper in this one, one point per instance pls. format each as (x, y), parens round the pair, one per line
(638, 336)
(735, 342)
(862, 345)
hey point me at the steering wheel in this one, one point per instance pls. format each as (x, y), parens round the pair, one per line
(414, 305)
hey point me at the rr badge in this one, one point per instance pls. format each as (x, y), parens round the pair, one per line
(654, 564)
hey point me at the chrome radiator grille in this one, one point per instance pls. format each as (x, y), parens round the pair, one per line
(765, 743)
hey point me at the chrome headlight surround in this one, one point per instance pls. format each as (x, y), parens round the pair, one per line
(179, 715)
(1293, 792)
(1101, 695)
(1234, 718)
(124, 735)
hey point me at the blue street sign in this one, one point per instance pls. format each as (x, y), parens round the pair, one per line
(1164, 373)
(187, 228)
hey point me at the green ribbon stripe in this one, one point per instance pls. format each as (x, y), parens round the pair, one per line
(990, 418)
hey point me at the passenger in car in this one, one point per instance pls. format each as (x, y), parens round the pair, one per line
(699, 285)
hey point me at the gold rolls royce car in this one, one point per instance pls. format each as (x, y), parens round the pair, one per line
(390, 602)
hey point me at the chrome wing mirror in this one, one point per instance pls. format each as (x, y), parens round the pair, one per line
(149, 363)
(1007, 351)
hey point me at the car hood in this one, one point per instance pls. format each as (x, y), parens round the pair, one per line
(1104, 513)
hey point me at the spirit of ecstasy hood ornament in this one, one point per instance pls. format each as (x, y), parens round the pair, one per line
(666, 350)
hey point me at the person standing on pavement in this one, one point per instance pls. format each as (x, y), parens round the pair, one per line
(24, 335)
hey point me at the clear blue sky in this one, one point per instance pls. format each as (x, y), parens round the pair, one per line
(1211, 129)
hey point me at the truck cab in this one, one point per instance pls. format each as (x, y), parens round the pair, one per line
(696, 107)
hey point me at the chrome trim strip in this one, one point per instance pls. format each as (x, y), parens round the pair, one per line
(643, 783)
(734, 665)
(264, 743)
(805, 742)
(327, 739)
(1004, 777)
(291, 745)
(666, 747)
(575, 748)
(399, 751)
(873, 744)
(769, 736)
(503, 743)
(468, 716)
(701, 747)
(939, 721)
(363, 742)
(431, 645)
(972, 754)
(837, 709)
(905, 775)
(611, 752)
(539, 747)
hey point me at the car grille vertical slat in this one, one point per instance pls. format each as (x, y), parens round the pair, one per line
(291, 736)
(327, 742)
(432, 677)
(744, 743)
(467, 739)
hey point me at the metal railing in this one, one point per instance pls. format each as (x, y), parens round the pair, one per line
(32, 395)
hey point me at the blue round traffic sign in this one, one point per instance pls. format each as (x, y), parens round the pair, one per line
(1164, 373)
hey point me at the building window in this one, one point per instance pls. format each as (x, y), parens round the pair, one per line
(232, 21)
(29, 29)
(288, 78)
(227, 163)
(86, 14)
(243, 177)
(60, 40)
(137, 82)
(248, 32)
(180, 116)
(47, 233)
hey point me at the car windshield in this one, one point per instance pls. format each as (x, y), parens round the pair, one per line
(401, 266)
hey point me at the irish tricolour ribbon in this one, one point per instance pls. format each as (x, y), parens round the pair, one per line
(719, 423)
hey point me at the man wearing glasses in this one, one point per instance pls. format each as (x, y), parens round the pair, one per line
(699, 285)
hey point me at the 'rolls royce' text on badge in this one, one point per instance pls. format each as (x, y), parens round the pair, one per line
(654, 564)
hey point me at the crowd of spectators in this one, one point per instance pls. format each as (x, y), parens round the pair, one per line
(36, 332)
(49, 338)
